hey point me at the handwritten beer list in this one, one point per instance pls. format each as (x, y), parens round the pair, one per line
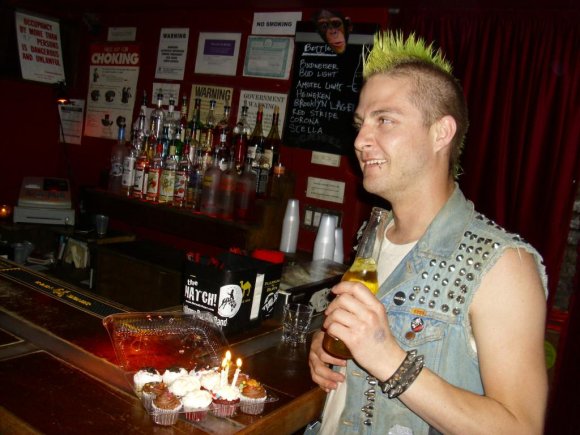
(39, 48)
(323, 99)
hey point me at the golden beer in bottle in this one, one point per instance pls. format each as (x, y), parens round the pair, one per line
(363, 270)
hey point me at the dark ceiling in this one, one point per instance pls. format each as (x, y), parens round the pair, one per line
(110, 6)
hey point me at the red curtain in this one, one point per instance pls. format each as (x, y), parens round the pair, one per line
(520, 71)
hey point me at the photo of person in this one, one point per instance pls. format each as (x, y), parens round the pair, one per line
(334, 28)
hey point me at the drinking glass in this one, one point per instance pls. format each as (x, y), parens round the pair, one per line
(363, 270)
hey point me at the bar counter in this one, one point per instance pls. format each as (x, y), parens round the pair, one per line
(58, 371)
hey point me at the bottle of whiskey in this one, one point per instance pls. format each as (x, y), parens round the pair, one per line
(141, 173)
(117, 156)
(245, 193)
(157, 118)
(241, 133)
(167, 183)
(184, 165)
(195, 183)
(210, 189)
(208, 129)
(195, 124)
(155, 171)
(223, 129)
(273, 141)
(183, 126)
(227, 191)
(256, 155)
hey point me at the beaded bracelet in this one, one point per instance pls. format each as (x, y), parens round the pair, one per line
(403, 376)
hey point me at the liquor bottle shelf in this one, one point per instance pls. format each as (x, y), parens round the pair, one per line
(262, 232)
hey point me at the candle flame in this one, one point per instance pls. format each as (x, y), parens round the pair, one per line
(239, 362)
(228, 356)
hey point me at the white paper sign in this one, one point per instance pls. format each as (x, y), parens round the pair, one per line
(168, 90)
(122, 34)
(172, 53)
(71, 121)
(217, 53)
(275, 23)
(39, 48)
(269, 57)
(253, 99)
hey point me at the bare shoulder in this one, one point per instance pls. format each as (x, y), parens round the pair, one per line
(514, 279)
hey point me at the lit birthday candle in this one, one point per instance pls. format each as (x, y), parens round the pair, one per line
(237, 372)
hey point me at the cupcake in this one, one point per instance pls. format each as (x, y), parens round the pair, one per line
(210, 380)
(252, 395)
(225, 401)
(165, 409)
(173, 373)
(150, 391)
(144, 376)
(196, 404)
(242, 377)
(186, 384)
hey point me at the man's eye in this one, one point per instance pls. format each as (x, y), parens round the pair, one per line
(356, 126)
(385, 121)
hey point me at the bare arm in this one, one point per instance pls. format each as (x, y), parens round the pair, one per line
(508, 318)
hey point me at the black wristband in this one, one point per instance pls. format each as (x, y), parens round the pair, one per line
(403, 376)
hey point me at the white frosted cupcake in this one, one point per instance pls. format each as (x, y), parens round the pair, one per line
(186, 384)
(225, 401)
(196, 404)
(144, 376)
(210, 380)
(173, 373)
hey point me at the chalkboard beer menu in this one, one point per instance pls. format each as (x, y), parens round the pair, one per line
(324, 91)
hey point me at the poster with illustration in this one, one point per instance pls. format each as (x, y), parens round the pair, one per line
(113, 74)
(327, 77)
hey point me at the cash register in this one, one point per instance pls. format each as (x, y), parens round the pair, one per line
(45, 200)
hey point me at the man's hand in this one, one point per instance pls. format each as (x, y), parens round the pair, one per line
(319, 362)
(359, 319)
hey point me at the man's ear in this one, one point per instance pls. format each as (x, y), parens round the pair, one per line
(444, 130)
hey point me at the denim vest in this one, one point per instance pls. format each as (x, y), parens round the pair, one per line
(427, 298)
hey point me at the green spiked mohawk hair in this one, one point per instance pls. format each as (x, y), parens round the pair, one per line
(390, 49)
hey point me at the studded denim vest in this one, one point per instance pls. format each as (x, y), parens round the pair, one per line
(427, 298)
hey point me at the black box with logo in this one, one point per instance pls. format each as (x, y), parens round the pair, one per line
(239, 291)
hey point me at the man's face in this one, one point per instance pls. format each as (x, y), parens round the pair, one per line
(393, 146)
(332, 30)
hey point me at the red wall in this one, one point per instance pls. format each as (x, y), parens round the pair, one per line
(30, 143)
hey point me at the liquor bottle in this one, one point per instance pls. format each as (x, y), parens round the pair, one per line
(223, 130)
(195, 183)
(227, 191)
(245, 193)
(256, 154)
(167, 180)
(169, 127)
(208, 129)
(273, 141)
(210, 189)
(281, 184)
(155, 171)
(184, 166)
(223, 153)
(195, 124)
(363, 270)
(241, 133)
(157, 119)
(183, 127)
(117, 156)
(141, 173)
(128, 178)
(140, 130)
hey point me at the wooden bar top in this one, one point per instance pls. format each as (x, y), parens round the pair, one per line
(58, 371)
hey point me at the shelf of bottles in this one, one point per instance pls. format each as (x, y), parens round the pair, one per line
(222, 174)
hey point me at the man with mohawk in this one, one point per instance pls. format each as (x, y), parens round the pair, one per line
(453, 341)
